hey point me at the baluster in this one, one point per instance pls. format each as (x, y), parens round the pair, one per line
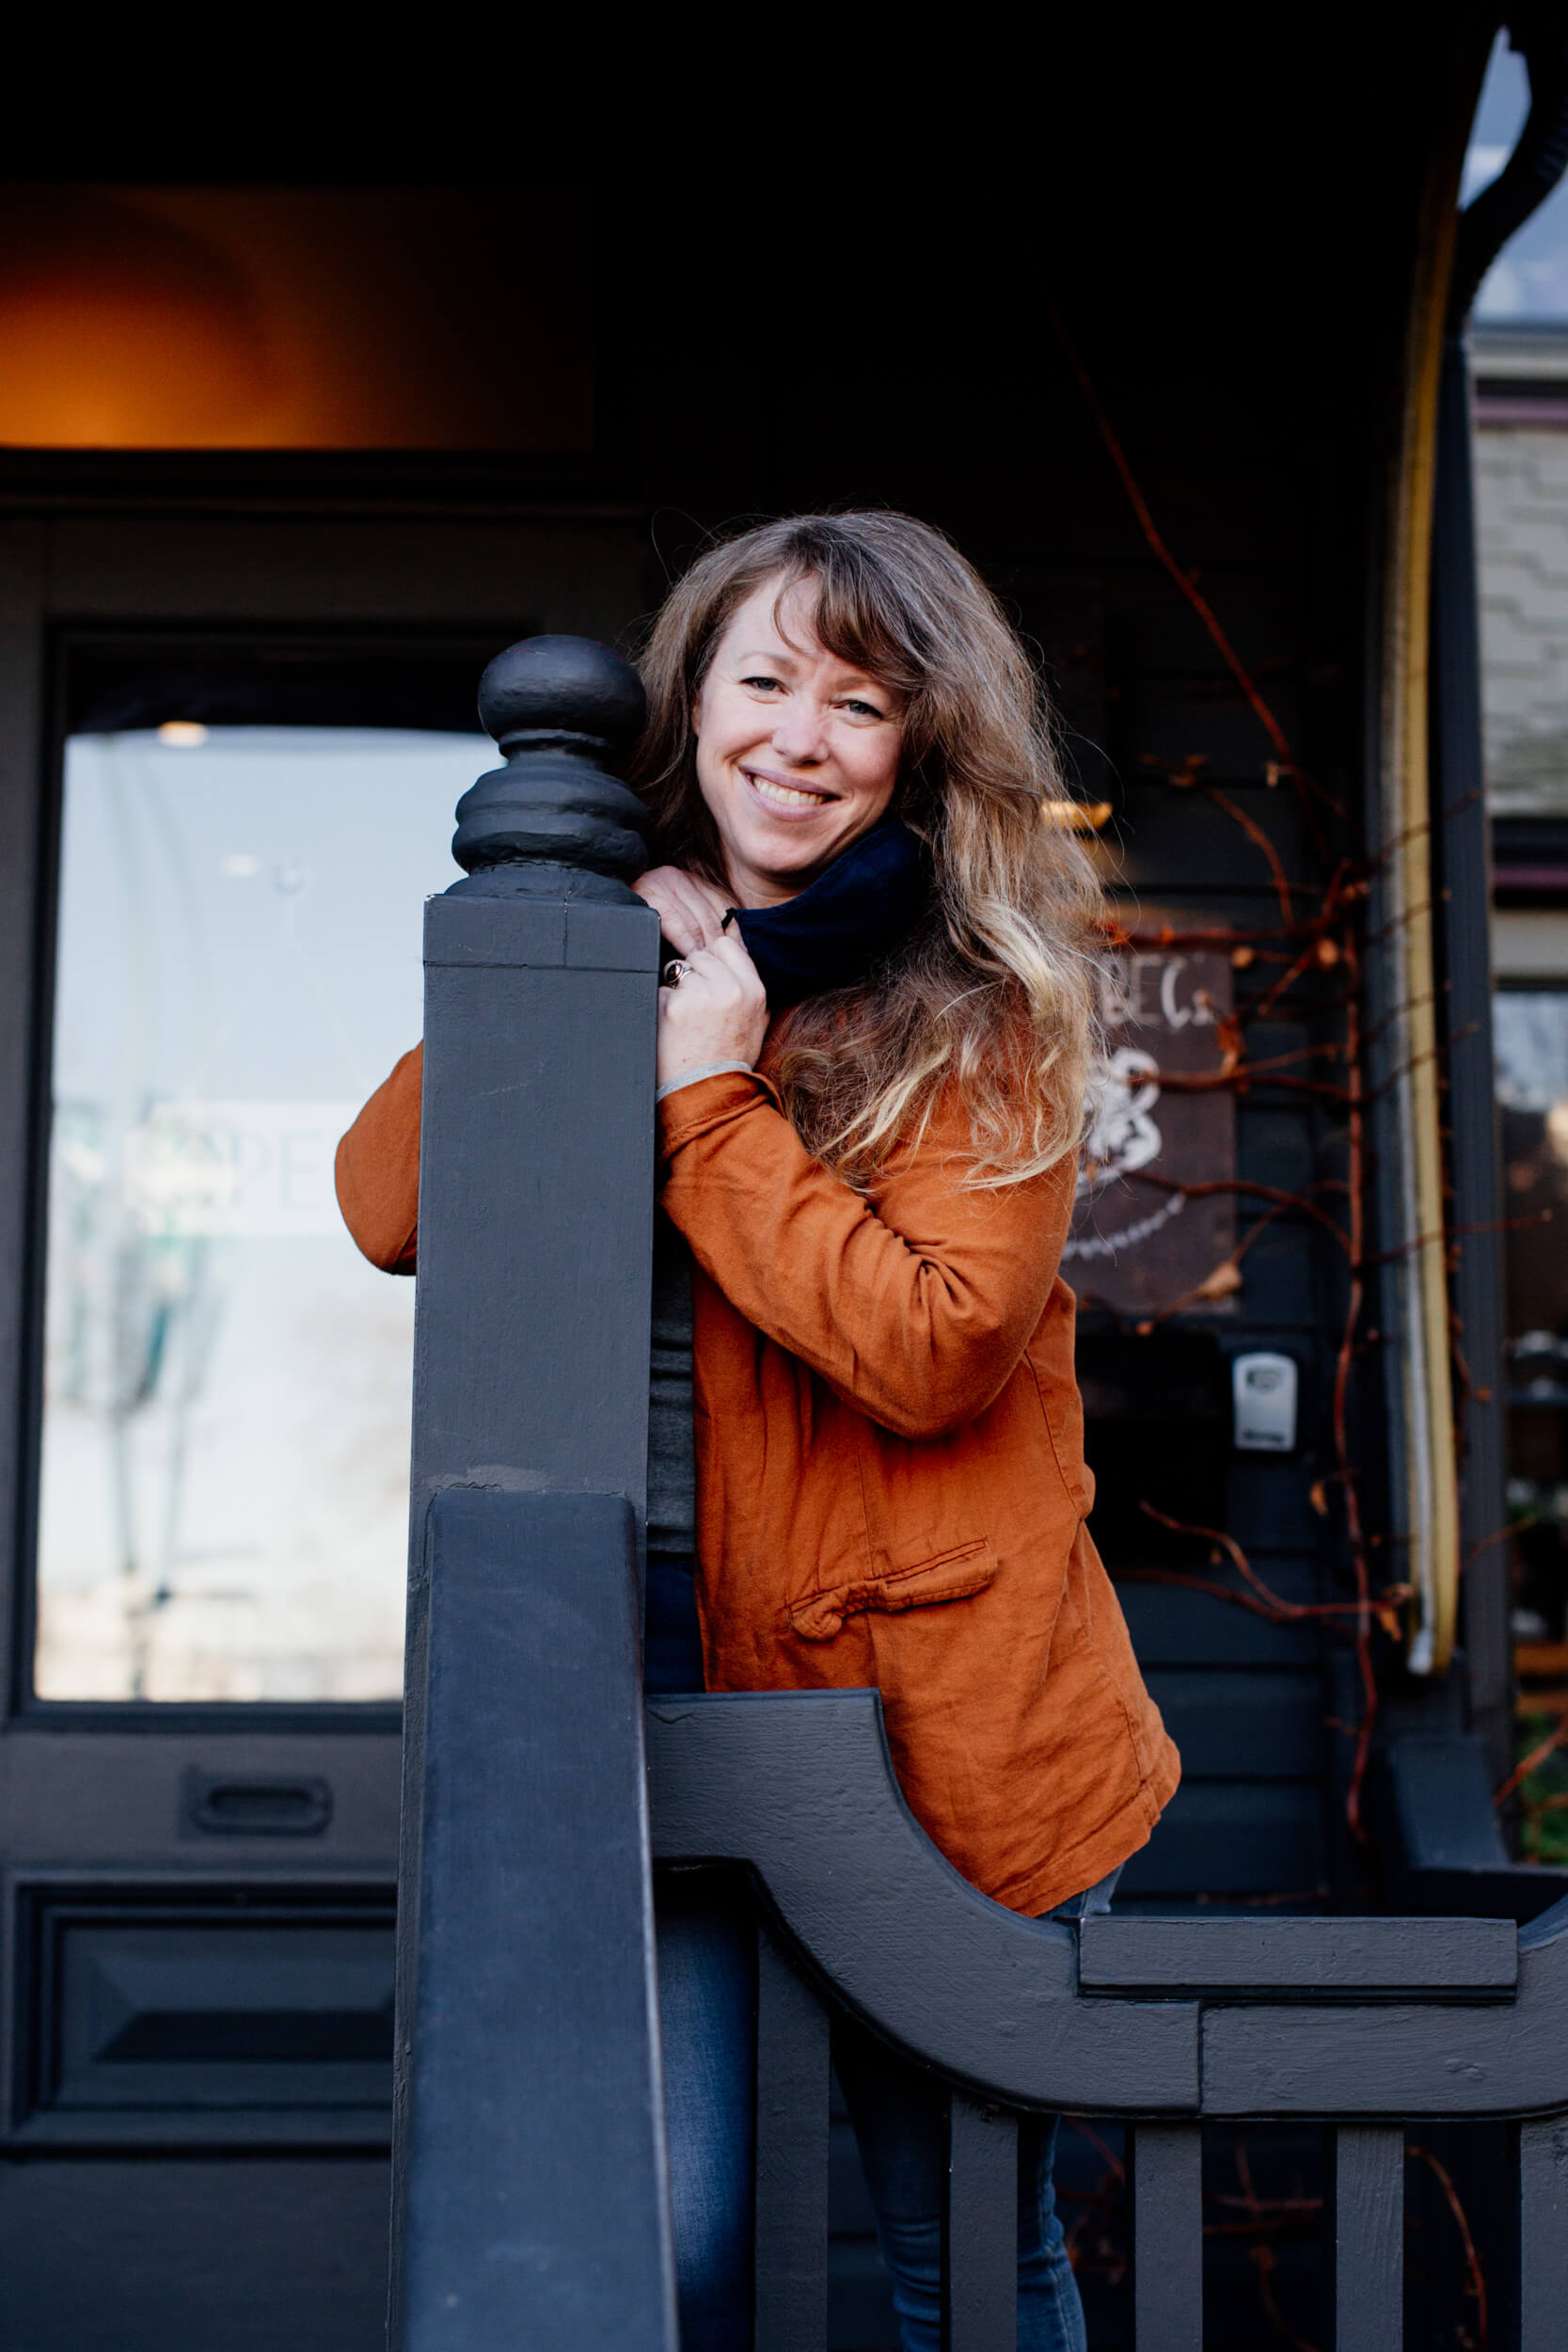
(1543, 2235)
(793, 2083)
(980, 2268)
(1368, 2237)
(1167, 2179)
(530, 2202)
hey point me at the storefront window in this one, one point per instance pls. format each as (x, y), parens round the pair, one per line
(225, 1449)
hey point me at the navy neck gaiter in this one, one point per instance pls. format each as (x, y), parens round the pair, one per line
(852, 918)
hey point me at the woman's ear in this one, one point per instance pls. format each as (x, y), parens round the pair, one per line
(697, 712)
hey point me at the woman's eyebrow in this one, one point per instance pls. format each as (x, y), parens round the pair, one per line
(773, 658)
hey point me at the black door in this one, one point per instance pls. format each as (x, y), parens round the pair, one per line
(232, 750)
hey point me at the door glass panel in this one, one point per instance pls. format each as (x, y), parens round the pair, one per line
(225, 1452)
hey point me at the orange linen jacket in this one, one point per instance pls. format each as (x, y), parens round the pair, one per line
(891, 1480)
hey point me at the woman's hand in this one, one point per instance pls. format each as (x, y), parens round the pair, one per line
(690, 913)
(716, 1012)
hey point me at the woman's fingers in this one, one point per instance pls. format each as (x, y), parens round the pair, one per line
(734, 952)
(727, 970)
(690, 910)
(716, 1012)
(728, 954)
(678, 920)
(714, 902)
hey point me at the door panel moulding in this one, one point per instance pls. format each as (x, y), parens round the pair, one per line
(205, 1951)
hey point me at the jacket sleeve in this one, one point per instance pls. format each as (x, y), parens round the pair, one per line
(378, 1169)
(916, 1306)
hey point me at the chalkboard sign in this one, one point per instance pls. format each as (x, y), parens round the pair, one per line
(1139, 1244)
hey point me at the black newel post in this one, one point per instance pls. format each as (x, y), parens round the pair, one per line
(528, 2199)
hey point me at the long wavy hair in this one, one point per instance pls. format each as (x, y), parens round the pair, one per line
(995, 988)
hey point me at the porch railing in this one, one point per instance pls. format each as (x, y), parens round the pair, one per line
(1364, 2024)
(530, 2199)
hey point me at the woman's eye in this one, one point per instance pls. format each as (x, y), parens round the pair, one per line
(864, 710)
(768, 684)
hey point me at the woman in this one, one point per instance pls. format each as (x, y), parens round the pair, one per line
(866, 1437)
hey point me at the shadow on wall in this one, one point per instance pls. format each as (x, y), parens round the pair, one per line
(295, 318)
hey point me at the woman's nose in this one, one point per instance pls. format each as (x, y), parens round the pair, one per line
(801, 733)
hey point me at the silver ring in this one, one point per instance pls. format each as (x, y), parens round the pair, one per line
(672, 974)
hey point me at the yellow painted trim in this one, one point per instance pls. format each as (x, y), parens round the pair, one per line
(1431, 1497)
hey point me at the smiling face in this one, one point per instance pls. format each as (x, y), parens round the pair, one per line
(796, 751)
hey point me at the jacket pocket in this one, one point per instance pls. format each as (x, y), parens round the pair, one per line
(951, 1576)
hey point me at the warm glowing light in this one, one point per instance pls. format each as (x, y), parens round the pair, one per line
(294, 318)
(182, 735)
(1077, 816)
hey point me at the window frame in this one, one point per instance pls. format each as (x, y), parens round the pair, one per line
(398, 643)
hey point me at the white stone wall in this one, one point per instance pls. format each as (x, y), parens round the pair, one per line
(1522, 530)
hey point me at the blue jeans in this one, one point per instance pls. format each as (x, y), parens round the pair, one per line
(707, 2005)
(708, 2016)
(900, 2119)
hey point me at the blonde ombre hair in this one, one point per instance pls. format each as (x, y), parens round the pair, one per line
(994, 989)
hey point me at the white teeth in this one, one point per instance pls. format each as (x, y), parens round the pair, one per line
(786, 795)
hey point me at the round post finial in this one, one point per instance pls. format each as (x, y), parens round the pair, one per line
(554, 821)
